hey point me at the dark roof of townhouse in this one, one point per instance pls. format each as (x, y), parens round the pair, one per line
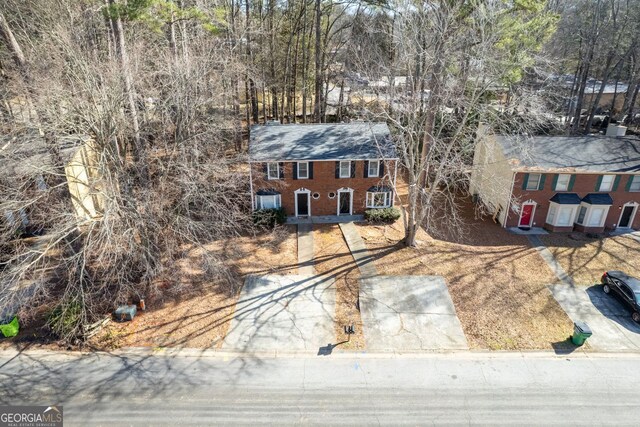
(566, 199)
(598, 199)
(325, 141)
(589, 153)
(27, 154)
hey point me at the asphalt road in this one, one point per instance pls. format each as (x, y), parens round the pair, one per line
(457, 388)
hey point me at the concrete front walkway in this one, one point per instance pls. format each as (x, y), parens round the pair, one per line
(359, 251)
(409, 313)
(551, 261)
(610, 322)
(283, 313)
(305, 250)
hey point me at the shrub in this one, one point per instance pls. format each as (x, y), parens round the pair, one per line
(269, 217)
(387, 215)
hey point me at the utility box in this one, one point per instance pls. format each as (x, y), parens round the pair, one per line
(125, 313)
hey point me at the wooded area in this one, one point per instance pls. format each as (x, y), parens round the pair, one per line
(166, 92)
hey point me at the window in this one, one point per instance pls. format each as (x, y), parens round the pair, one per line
(303, 170)
(374, 168)
(606, 183)
(533, 182)
(635, 183)
(332, 195)
(378, 200)
(581, 215)
(273, 170)
(345, 169)
(269, 202)
(552, 214)
(315, 196)
(597, 217)
(565, 216)
(562, 184)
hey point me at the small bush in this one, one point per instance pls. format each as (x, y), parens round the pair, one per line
(387, 215)
(268, 218)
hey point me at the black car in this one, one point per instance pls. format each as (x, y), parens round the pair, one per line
(625, 287)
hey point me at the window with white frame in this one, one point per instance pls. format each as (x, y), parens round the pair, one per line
(561, 215)
(273, 170)
(374, 168)
(607, 182)
(635, 183)
(345, 169)
(534, 181)
(597, 216)
(562, 184)
(271, 201)
(581, 215)
(378, 199)
(551, 216)
(303, 170)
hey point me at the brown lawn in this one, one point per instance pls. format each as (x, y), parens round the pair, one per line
(196, 311)
(585, 259)
(496, 280)
(333, 258)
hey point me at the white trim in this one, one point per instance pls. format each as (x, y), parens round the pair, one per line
(340, 169)
(533, 213)
(558, 207)
(277, 201)
(298, 170)
(537, 187)
(633, 214)
(509, 201)
(605, 209)
(344, 190)
(558, 181)
(395, 189)
(387, 199)
(377, 175)
(295, 198)
(613, 180)
(269, 171)
(253, 200)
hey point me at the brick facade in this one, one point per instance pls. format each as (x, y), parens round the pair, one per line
(583, 184)
(322, 183)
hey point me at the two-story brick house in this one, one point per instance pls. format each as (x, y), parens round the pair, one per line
(562, 183)
(322, 169)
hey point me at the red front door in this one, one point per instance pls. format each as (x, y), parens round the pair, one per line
(526, 216)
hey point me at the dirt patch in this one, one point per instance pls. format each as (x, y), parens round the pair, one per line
(333, 258)
(496, 279)
(585, 259)
(195, 311)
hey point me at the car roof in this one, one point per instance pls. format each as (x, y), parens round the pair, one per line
(631, 281)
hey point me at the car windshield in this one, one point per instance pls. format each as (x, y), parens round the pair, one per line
(638, 297)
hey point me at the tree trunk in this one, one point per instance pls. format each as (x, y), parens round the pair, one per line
(317, 108)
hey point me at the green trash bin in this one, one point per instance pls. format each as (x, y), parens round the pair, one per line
(581, 331)
(10, 329)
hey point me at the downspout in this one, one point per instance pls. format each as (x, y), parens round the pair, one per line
(395, 175)
(253, 205)
(508, 208)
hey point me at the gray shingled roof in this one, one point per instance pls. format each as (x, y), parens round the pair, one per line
(598, 199)
(566, 199)
(572, 153)
(339, 141)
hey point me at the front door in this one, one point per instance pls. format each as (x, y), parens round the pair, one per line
(526, 216)
(344, 201)
(302, 204)
(625, 219)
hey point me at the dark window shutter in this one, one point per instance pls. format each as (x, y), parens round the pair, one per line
(616, 182)
(337, 169)
(525, 181)
(598, 182)
(554, 182)
(266, 170)
(543, 177)
(572, 181)
(353, 169)
(629, 182)
(381, 169)
(281, 168)
(310, 170)
(295, 170)
(366, 169)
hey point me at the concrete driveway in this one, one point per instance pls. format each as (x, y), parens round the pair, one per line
(610, 322)
(283, 313)
(409, 313)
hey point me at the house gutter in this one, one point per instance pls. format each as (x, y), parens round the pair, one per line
(253, 205)
(508, 208)
(395, 175)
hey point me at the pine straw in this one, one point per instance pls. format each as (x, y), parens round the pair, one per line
(196, 312)
(332, 257)
(496, 279)
(585, 259)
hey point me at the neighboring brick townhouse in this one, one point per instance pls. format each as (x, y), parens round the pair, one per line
(322, 169)
(562, 183)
